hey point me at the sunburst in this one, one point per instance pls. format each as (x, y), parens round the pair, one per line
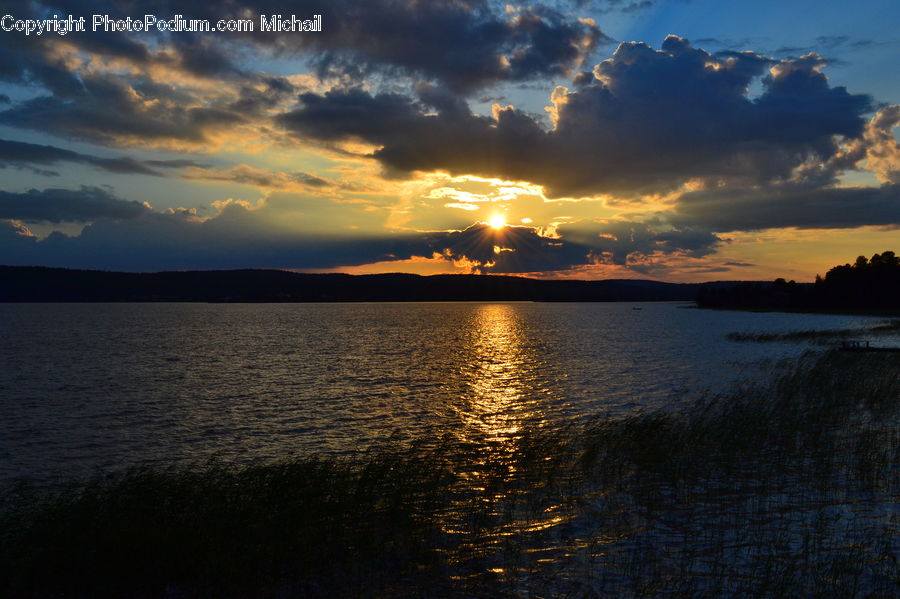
(497, 222)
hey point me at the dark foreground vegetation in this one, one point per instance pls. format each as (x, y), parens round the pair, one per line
(868, 285)
(784, 489)
(40, 284)
(820, 336)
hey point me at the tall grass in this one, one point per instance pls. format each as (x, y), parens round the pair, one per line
(818, 335)
(788, 487)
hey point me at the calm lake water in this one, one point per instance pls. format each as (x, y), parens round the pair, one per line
(103, 386)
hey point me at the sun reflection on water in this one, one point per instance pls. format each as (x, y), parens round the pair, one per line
(505, 400)
(499, 368)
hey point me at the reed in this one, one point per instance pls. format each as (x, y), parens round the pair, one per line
(824, 335)
(776, 488)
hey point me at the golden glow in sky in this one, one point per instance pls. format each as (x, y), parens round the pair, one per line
(248, 154)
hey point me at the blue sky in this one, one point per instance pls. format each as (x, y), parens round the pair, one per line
(681, 140)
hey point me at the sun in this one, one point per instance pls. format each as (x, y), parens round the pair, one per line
(497, 222)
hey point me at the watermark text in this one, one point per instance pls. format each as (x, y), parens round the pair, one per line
(275, 23)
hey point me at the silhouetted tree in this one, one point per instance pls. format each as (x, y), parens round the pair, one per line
(869, 284)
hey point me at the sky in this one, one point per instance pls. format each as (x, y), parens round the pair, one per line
(676, 140)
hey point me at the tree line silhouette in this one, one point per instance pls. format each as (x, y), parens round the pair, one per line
(40, 284)
(867, 284)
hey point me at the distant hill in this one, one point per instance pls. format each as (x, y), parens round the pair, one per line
(40, 284)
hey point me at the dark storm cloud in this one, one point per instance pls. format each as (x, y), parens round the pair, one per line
(267, 94)
(67, 205)
(454, 141)
(523, 249)
(648, 121)
(238, 237)
(26, 155)
(108, 109)
(31, 59)
(202, 55)
(509, 250)
(465, 44)
(621, 239)
(339, 114)
(788, 205)
(105, 108)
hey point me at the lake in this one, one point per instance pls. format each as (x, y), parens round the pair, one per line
(105, 386)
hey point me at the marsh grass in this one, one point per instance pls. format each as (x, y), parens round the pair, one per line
(785, 488)
(821, 335)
